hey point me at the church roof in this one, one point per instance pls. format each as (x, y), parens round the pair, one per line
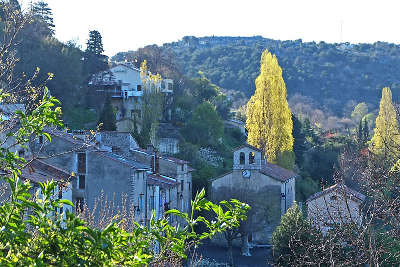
(276, 172)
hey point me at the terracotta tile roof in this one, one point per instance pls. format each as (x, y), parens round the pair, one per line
(340, 188)
(249, 146)
(276, 172)
(157, 179)
(39, 171)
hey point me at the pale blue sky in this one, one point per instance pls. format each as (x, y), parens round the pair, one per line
(130, 24)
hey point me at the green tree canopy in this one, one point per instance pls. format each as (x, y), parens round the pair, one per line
(205, 127)
(291, 238)
(42, 12)
(359, 111)
(107, 117)
(94, 61)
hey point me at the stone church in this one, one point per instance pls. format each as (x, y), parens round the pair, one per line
(267, 188)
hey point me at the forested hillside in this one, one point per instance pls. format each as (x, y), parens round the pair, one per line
(335, 76)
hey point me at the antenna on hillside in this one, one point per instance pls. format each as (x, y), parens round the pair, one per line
(341, 31)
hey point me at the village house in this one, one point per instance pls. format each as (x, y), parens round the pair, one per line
(124, 85)
(167, 140)
(37, 171)
(337, 204)
(267, 188)
(111, 166)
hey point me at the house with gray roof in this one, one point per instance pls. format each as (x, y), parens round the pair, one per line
(337, 204)
(111, 167)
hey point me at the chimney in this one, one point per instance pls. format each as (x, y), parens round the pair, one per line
(150, 148)
(157, 162)
(153, 164)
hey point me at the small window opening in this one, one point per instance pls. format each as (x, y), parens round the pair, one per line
(82, 162)
(251, 158)
(139, 87)
(82, 180)
(242, 158)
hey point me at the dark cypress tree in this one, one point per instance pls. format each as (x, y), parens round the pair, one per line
(366, 131)
(43, 14)
(299, 145)
(94, 60)
(360, 133)
(107, 117)
(95, 43)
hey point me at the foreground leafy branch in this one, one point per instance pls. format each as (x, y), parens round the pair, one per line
(34, 233)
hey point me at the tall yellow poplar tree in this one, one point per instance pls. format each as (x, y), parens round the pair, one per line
(386, 139)
(269, 120)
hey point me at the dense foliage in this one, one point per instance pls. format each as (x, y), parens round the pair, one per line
(322, 71)
(269, 120)
(386, 139)
(35, 233)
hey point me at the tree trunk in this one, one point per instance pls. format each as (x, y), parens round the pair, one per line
(230, 252)
(245, 244)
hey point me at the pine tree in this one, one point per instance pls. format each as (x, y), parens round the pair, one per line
(94, 61)
(95, 44)
(366, 131)
(269, 120)
(107, 117)
(42, 12)
(386, 139)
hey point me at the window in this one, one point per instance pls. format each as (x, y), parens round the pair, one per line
(141, 201)
(251, 158)
(80, 204)
(333, 197)
(182, 184)
(81, 181)
(183, 167)
(82, 162)
(242, 158)
(40, 139)
(189, 185)
(139, 87)
(152, 202)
